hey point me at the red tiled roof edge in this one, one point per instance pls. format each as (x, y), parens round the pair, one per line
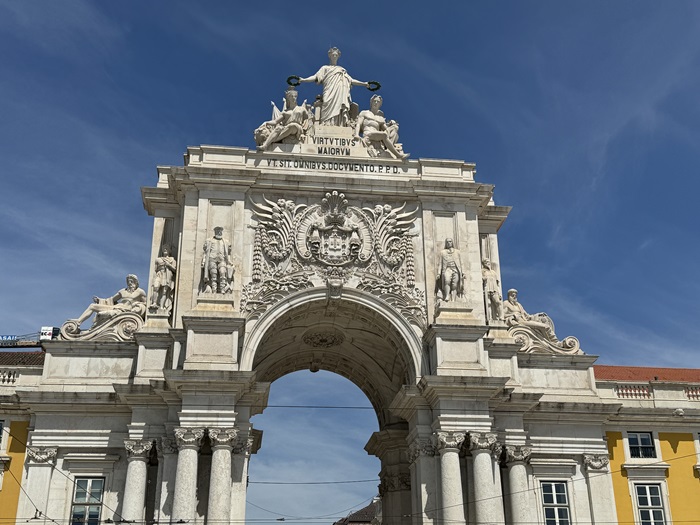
(22, 358)
(643, 373)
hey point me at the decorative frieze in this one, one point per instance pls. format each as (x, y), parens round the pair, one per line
(138, 448)
(420, 447)
(517, 454)
(188, 437)
(595, 461)
(223, 437)
(485, 441)
(42, 454)
(392, 483)
(448, 440)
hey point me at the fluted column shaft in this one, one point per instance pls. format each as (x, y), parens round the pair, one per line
(184, 501)
(136, 479)
(452, 499)
(488, 496)
(222, 443)
(519, 496)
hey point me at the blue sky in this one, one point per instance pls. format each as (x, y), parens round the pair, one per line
(584, 115)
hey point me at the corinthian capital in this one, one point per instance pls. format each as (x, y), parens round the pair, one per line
(166, 445)
(244, 445)
(138, 448)
(223, 437)
(517, 454)
(595, 461)
(420, 447)
(485, 441)
(188, 437)
(42, 454)
(448, 440)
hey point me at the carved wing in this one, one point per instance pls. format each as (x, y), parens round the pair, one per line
(277, 220)
(390, 226)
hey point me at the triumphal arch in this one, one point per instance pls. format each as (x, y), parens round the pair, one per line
(324, 247)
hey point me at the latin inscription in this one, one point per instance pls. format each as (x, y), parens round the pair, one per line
(356, 167)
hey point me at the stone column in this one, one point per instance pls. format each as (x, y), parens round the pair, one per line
(520, 500)
(392, 486)
(421, 456)
(239, 475)
(600, 488)
(40, 464)
(488, 497)
(452, 498)
(222, 442)
(184, 502)
(137, 452)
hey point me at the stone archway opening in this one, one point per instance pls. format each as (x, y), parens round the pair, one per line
(312, 457)
(362, 344)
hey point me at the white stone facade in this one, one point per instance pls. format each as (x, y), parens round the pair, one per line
(289, 247)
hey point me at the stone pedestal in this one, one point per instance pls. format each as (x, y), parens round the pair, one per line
(136, 479)
(448, 445)
(184, 502)
(488, 498)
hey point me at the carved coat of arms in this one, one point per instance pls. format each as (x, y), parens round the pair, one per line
(299, 246)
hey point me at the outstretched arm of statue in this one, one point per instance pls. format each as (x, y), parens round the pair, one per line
(358, 83)
(312, 78)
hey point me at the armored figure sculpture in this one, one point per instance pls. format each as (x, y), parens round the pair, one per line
(336, 90)
(129, 299)
(217, 265)
(377, 133)
(492, 291)
(451, 274)
(289, 123)
(163, 281)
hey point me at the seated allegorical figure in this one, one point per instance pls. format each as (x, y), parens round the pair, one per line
(514, 314)
(129, 299)
(290, 122)
(377, 133)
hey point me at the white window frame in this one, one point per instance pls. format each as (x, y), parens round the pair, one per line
(663, 494)
(80, 465)
(655, 439)
(88, 503)
(654, 444)
(544, 506)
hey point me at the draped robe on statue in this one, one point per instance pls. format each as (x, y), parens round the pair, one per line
(336, 93)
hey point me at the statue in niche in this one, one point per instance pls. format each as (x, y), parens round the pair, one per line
(378, 135)
(217, 265)
(451, 274)
(291, 122)
(163, 281)
(129, 299)
(535, 332)
(492, 291)
(336, 101)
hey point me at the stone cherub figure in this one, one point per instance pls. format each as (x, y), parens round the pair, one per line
(378, 134)
(337, 83)
(217, 265)
(290, 122)
(163, 281)
(129, 299)
(451, 273)
(492, 291)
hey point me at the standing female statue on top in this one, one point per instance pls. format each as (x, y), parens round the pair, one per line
(336, 90)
